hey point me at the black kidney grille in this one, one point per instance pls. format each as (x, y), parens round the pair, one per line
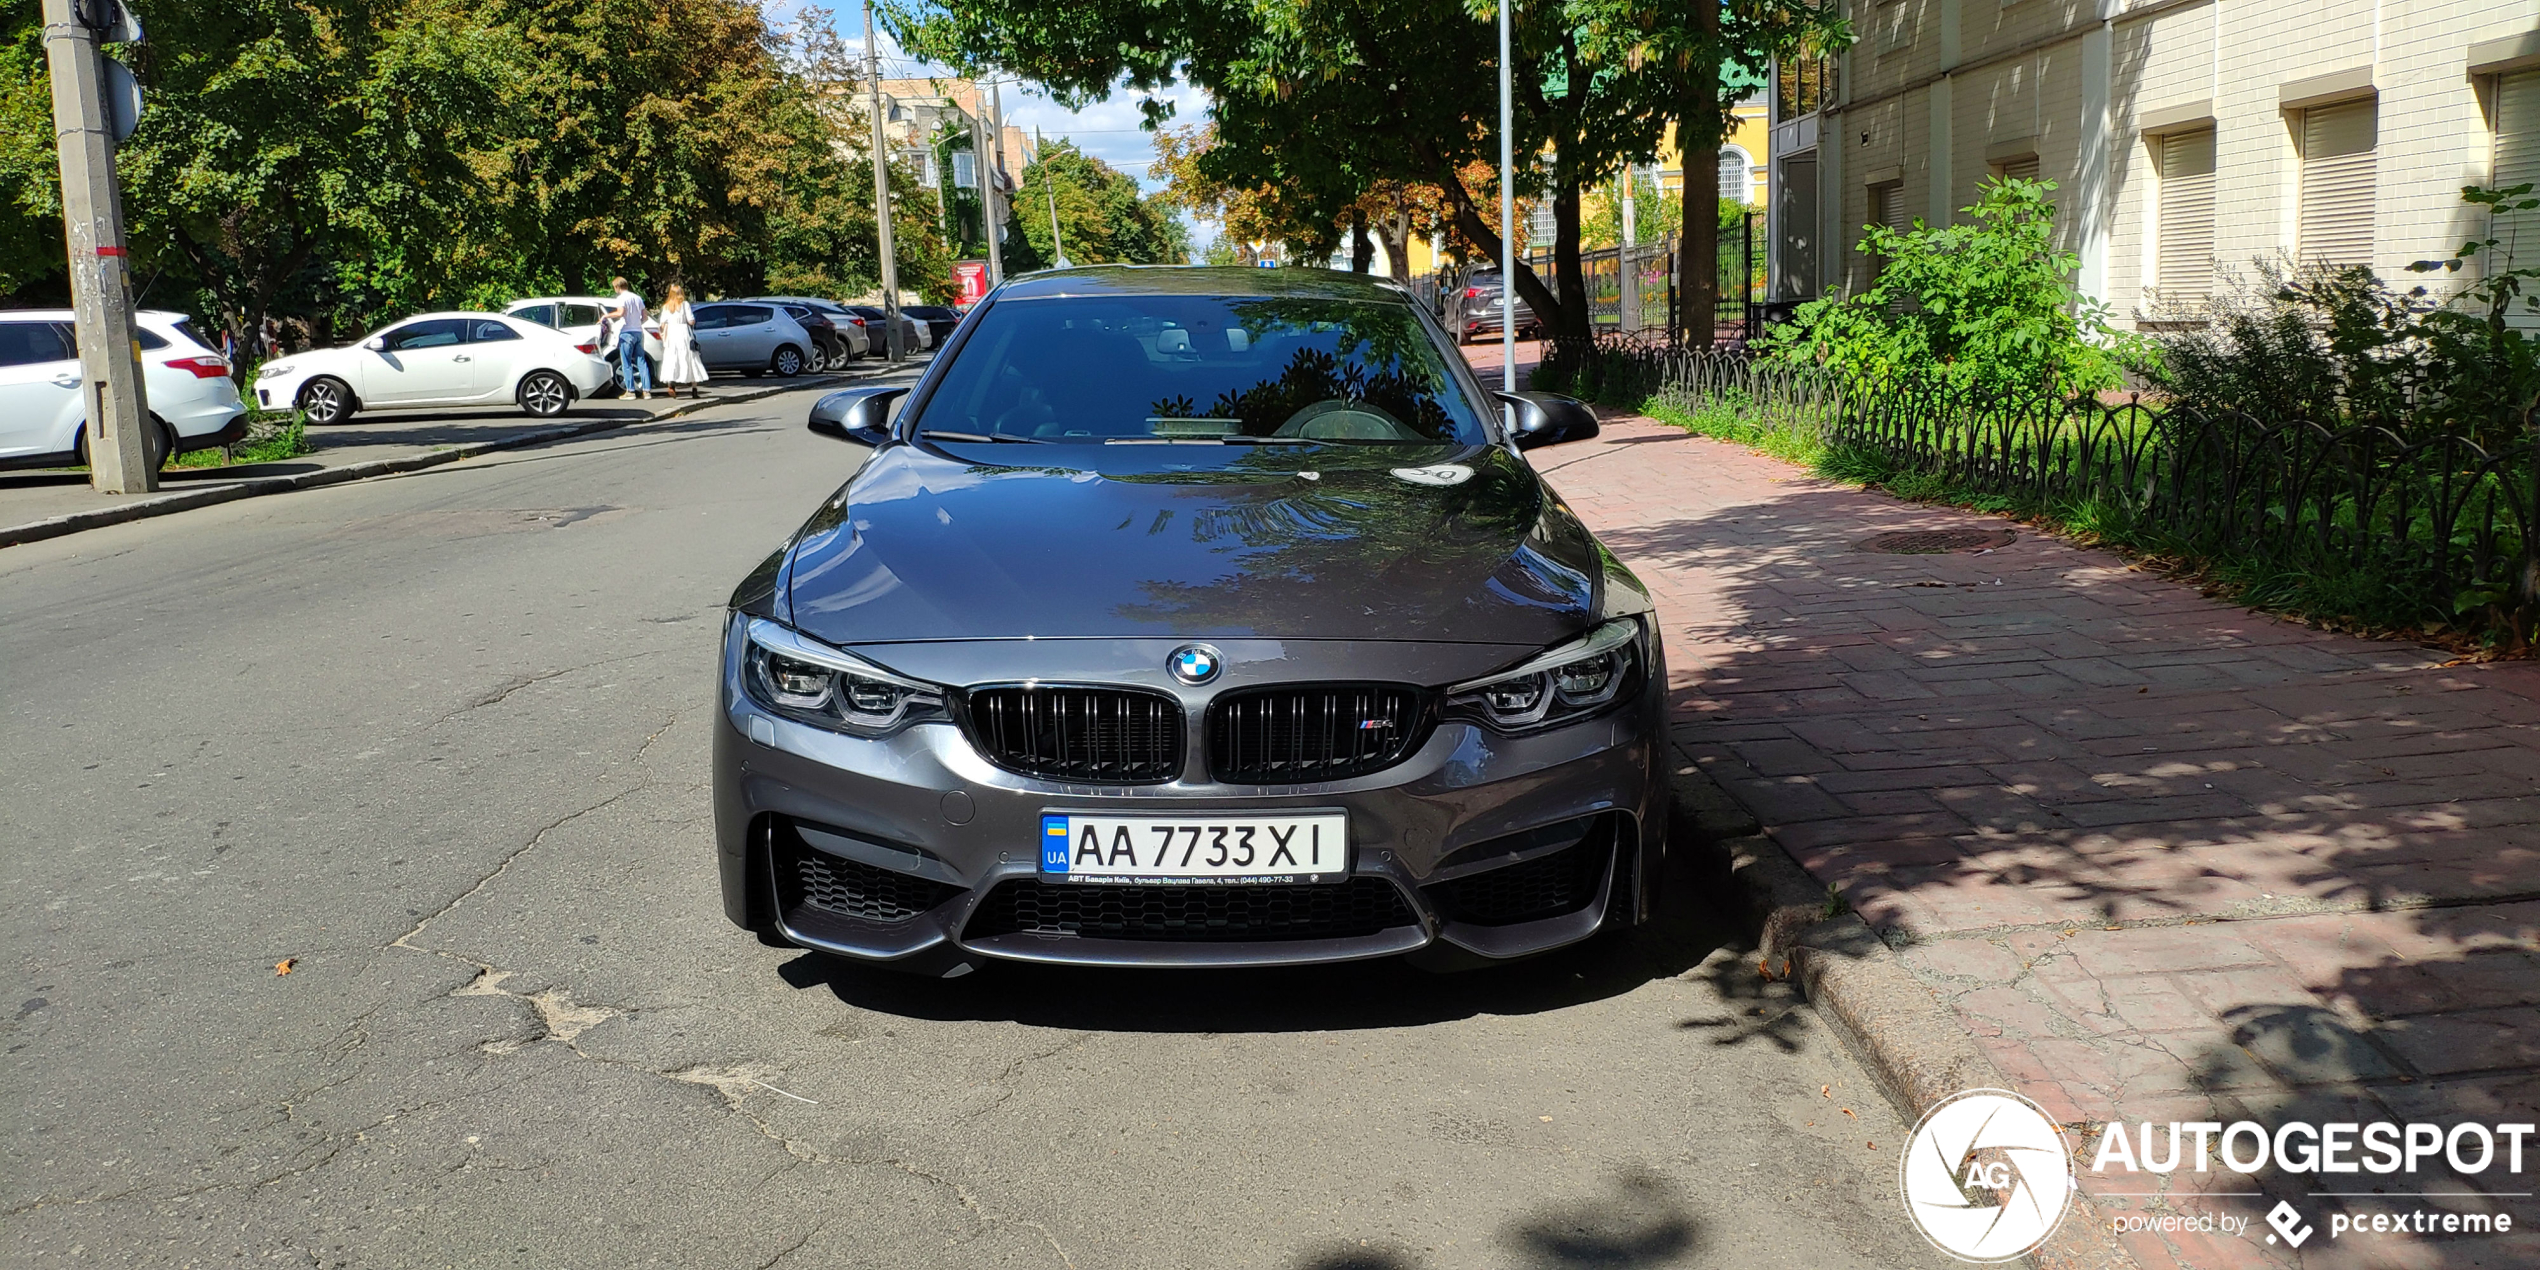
(1285, 736)
(1332, 910)
(1546, 886)
(1107, 736)
(853, 888)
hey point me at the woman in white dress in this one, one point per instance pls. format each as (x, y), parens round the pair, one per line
(679, 361)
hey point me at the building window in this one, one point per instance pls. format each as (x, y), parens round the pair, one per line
(1887, 206)
(2023, 168)
(1737, 174)
(2518, 162)
(2337, 183)
(1803, 85)
(2186, 229)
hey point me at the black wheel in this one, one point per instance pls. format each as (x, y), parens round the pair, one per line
(545, 394)
(787, 363)
(161, 442)
(326, 401)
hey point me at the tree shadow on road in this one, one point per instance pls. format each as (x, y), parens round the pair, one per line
(1639, 1221)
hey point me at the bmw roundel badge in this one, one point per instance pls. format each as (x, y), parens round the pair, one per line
(1195, 663)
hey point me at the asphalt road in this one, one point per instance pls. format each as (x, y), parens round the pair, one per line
(441, 741)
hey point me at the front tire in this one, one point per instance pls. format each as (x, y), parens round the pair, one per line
(545, 394)
(787, 363)
(326, 401)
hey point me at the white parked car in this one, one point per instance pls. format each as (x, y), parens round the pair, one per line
(579, 316)
(437, 359)
(44, 405)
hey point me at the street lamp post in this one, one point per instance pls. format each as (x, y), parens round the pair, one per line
(892, 345)
(1507, 221)
(1058, 246)
(990, 194)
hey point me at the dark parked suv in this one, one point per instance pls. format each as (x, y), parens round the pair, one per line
(1475, 312)
(939, 321)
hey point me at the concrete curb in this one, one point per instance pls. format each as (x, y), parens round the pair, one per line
(169, 504)
(1914, 1046)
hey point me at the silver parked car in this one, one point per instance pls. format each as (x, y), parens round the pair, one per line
(752, 338)
(1191, 617)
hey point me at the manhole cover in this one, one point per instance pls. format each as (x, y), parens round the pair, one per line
(1932, 542)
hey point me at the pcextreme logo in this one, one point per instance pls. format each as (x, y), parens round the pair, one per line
(1986, 1176)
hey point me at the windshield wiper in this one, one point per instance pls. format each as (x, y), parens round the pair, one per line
(1211, 440)
(982, 437)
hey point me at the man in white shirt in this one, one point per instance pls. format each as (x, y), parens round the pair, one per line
(634, 374)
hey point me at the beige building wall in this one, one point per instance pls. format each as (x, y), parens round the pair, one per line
(1937, 94)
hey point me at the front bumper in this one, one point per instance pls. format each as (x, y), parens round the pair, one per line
(953, 841)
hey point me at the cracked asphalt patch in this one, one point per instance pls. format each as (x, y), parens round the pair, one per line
(459, 778)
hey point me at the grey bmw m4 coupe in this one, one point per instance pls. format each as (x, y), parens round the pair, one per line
(1191, 617)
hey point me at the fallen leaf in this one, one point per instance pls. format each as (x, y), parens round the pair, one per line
(1812, 1124)
(1848, 1111)
(1545, 1119)
(1825, 1091)
(283, 967)
(1874, 1146)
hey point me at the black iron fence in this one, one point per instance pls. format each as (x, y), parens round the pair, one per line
(2431, 530)
(1632, 291)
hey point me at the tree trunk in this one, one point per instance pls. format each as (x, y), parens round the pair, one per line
(1577, 322)
(1394, 228)
(1362, 249)
(1698, 129)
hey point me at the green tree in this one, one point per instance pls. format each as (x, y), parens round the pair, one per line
(1102, 216)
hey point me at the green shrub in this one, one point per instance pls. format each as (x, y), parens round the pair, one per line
(1988, 304)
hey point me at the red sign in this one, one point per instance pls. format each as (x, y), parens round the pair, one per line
(973, 277)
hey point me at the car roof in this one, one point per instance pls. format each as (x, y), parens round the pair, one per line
(67, 315)
(1315, 284)
(558, 299)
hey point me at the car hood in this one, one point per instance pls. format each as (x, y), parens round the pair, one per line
(1458, 544)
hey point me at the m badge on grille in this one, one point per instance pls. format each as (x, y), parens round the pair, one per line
(1195, 663)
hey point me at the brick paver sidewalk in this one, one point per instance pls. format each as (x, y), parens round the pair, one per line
(2168, 860)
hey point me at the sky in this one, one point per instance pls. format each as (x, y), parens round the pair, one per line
(1107, 130)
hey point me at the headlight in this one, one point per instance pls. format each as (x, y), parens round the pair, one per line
(1567, 682)
(810, 682)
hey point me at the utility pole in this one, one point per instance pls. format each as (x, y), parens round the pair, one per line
(121, 456)
(991, 187)
(894, 349)
(1058, 246)
(1507, 222)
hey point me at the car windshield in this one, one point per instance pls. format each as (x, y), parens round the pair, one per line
(1202, 368)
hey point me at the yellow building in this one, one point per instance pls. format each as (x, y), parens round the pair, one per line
(1742, 155)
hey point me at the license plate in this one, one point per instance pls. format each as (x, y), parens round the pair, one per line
(1308, 847)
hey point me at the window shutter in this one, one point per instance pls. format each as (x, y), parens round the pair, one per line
(2518, 162)
(1888, 205)
(2337, 183)
(2187, 216)
(2024, 169)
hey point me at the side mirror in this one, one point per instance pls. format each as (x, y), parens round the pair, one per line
(860, 415)
(1545, 418)
(375, 344)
